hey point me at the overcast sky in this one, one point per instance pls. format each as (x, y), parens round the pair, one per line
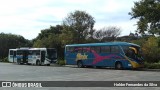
(29, 17)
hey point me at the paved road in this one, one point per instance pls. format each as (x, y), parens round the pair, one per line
(13, 72)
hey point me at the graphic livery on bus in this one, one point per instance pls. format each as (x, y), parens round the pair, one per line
(121, 55)
(38, 56)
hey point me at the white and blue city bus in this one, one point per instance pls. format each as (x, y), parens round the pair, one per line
(42, 56)
(37, 56)
(121, 55)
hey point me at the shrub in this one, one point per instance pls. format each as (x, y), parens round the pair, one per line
(152, 65)
(151, 50)
(140, 41)
(5, 59)
(61, 61)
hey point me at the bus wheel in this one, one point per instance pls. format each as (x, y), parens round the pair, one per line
(48, 64)
(118, 65)
(79, 64)
(38, 63)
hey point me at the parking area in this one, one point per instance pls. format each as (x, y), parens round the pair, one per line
(14, 72)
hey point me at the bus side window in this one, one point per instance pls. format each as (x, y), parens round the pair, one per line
(86, 49)
(30, 52)
(78, 49)
(97, 49)
(115, 49)
(38, 52)
(105, 49)
(70, 49)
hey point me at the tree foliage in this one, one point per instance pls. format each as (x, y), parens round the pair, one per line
(50, 38)
(151, 50)
(148, 14)
(107, 34)
(78, 26)
(10, 41)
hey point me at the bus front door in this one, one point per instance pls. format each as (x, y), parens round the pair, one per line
(14, 56)
(25, 56)
(43, 56)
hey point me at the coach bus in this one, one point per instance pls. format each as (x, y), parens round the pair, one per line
(37, 56)
(120, 55)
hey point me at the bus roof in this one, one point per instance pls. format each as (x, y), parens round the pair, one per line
(17, 49)
(40, 48)
(13, 49)
(103, 44)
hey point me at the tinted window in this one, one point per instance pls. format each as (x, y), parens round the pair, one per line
(69, 49)
(86, 49)
(105, 49)
(115, 49)
(52, 53)
(19, 52)
(125, 49)
(96, 49)
(11, 52)
(78, 49)
(34, 52)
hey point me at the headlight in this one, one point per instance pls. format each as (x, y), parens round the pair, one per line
(129, 65)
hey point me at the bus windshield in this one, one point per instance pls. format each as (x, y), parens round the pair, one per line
(51, 54)
(133, 52)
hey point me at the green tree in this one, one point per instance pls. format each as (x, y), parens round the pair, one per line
(151, 50)
(11, 41)
(50, 38)
(148, 14)
(78, 27)
(139, 41)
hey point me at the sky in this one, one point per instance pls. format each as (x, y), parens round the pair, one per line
(28, 17)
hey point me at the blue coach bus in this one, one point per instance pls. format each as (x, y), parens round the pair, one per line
(121, 55)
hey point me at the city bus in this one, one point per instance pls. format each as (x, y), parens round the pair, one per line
(42, 56)
(35, 56)
(120, 55)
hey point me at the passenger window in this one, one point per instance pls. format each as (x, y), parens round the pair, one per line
(96, 49)
(78, 49)
(70, 49)
(30, 52)
(115, 49)
(86, 49)
(105, 49)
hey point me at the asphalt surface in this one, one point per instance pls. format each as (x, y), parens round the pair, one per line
(14, 72)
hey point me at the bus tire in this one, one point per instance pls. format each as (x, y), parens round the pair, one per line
(48, 64)
(38, 63)
(80, 64)
(118, 66)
